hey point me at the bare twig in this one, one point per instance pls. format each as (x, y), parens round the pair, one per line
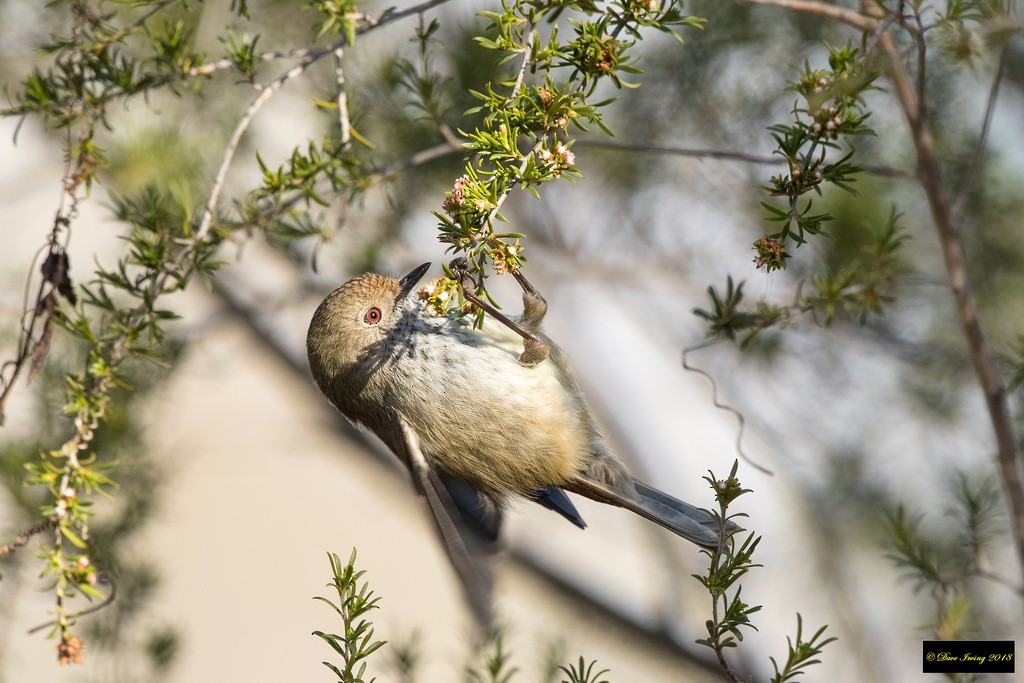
(960, 203)
(847, 16)
(922, 52)
(423, 156)
(726, 155)
(107, 601)
(890, 17)
(241, 127)
(681, 151)
(22, 538)
(342, 97)
(367, 23)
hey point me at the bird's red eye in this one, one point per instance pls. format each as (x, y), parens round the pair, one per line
(372, 316)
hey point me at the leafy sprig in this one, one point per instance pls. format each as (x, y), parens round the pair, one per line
(830, 110)
(861, 288)
(729, 562)
(583, 672)
(355, 601)
(110, 54)
(523, 139)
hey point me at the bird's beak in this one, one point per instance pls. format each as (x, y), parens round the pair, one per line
(407, 283)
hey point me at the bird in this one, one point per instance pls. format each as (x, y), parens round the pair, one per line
(481, 417)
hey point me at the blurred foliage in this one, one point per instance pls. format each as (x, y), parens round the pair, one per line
(129, 641)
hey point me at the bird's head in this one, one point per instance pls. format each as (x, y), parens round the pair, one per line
(351, 325)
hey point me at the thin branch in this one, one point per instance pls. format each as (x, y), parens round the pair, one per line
(23, 538)
(960, 203)
(109, 600)
(987, 574)
(716, 401)
(423, 156)
(225, 64)
(930, 177)
(268, 208)
(342, 97)
(392, 15)
(241, 127)
(890, 17)
(922, 62)
(368, 22)
(846, 16)
(680, 151)
(886, 171)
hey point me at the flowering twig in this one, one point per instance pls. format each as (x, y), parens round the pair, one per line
(540, 113)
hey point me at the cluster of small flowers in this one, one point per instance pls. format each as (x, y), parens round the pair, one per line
(647, 5)
(770, 253)
(826, 121)
(67, 496)
(794, 184)
(70, 651)
(561, 158)
(459, 199)
(506, 258)
(84, 571)
(607, 59)
(438, 295)
(562, 119)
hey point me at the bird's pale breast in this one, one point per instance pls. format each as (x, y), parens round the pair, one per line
(485, 418)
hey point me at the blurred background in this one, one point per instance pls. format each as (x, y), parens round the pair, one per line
(237, 478)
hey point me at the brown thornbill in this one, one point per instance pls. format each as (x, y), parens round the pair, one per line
(479, 416)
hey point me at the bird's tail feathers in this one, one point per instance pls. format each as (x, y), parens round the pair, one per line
(679, 517)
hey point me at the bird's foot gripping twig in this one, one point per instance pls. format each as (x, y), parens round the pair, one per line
(534, 308)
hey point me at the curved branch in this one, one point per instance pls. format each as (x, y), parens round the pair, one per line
(951, 242)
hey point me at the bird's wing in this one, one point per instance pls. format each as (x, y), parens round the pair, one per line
(470, 546)
(479, 511)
